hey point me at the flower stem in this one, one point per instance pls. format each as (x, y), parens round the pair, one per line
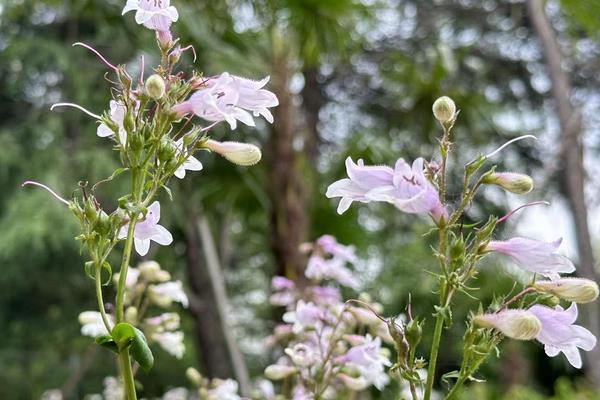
(456, 387)
(98, 278)
(127, 373)
(435, 346)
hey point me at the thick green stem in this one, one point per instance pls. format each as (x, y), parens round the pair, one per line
(456, 387)
(98, 278)
(127, 373)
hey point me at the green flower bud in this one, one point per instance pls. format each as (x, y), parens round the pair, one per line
(578, 290)
(513, 182)
(444, 109)
(167, 150)
(155, 86)
(194, 376)
(277, 372)
(103, 225)
(413, 332)
(90, 211)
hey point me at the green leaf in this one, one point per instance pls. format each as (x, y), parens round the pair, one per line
(107, 342)
(168, 192)
(450, 375)
(117, 172)
(108, 268)
(140, 351)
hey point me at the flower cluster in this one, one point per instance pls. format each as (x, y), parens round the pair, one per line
(324, 353)
(147, 286)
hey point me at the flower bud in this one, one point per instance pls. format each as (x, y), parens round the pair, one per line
(413, 333)
(578, 290)
(103, 225)
(515, 324)
(150, 271)
(194, 376)
(91, 212)
(175, 55)
(444, 109)
(513, 182)
(277, 372)
(301, 355)
(166, 150)
(155, 86)
(165, 39)
(243, 154)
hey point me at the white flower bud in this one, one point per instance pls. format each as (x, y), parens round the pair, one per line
(444, 109)
(577, 290)
(277, 372)
(243, 154)
(301, 355)
(511, 181)
(155, 86)
(194, 376)
(515, 324)
(150, 271)
(131, 314)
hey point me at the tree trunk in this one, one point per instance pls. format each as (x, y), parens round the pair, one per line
(312, 100)
(573, 167)
(288, 199)
(209, 335)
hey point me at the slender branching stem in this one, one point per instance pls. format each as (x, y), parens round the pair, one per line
(98, 279)
(127, 372)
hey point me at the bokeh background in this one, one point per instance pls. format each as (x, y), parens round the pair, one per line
(354, 78)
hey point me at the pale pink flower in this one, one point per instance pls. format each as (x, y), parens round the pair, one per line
(330, 245)
(515, 324)
(560, 334)
(230, 98)
(224, 390)
(148, 230)
(319, 268)
(534, 255)
(157, 15)
(410, 191)
(92, 324)
(306, 315)
(361, 180)
(171, 342)
(369, 361)
(164, 294)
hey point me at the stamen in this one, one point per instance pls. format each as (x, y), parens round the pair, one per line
(90, 48)
(535, 203)
(193, 50)
(77, 106)
(52, 192)
(493, 153)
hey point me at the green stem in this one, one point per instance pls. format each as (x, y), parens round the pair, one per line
(456, 387)
(435, 346)
(127, 373)
(98, 279)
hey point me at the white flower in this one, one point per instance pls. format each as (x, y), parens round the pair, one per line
(113, 390)
(91, 324)
(132, 277)
(153, 14)
(148, 230)
(165, 293)
(176, 394)
(191, 163)
(117, 114)
(171, 342)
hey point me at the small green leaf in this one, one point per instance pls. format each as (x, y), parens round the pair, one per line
(107, 342)
(450, 375)
(168, 192)
(108, 268)
(117, 172)
(140, 351)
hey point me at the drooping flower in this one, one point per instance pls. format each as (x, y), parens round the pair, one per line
(148, 230)
(306, 315)
(560, 334)
(319, 268)
(230, 98)
(410, 191)
(515, 324)
(164, 294)
(534, 255)
(117, 115)
(171, 342)
(91, 323)
(157, 15)
(191, 163)
(330, 244)
(244, 154)
(511, 181)
(577, 290)
(361, 179)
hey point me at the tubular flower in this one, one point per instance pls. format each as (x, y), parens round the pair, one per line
(534, 255)
(559, 334)
(117, 115)
(361, 180)
(577, 290)
(410, 191)
(230, 98)
(157, 15)
(368, 360)
(191, 163)
(148, 230)
(515, 324)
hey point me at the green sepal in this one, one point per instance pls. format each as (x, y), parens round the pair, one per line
(107, 342)
(450, 375)
(107, 267)
(88, 267)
